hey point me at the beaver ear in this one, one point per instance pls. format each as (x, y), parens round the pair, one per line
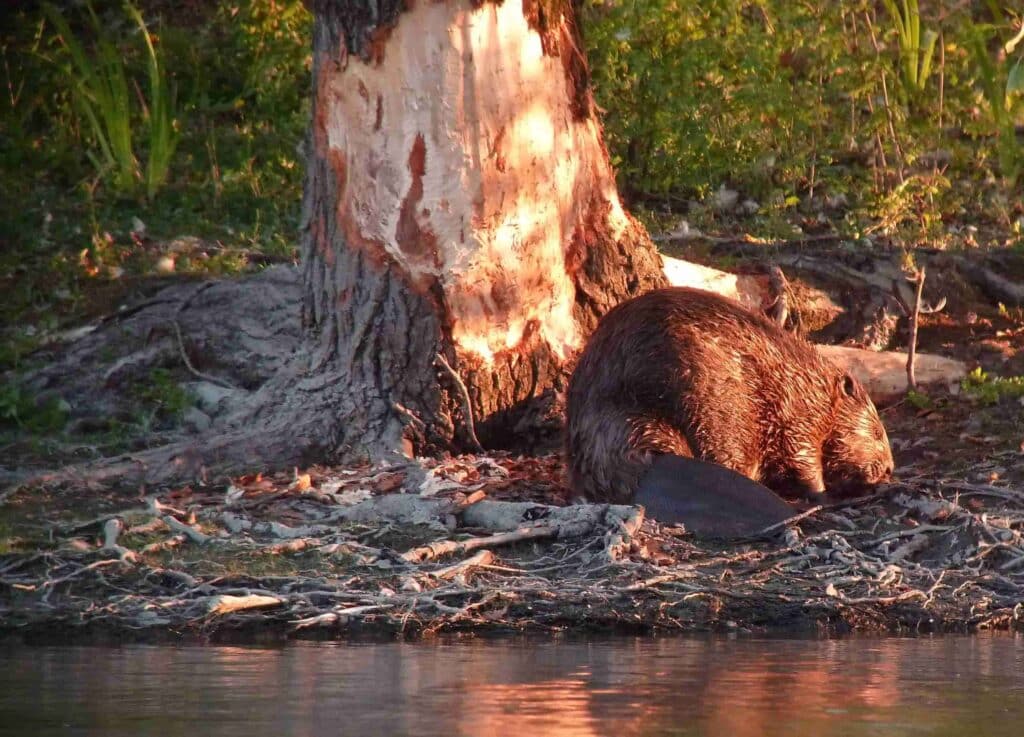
(848, 385)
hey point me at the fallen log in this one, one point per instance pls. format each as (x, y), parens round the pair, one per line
(884, 373)
(750, 291)
(493, 516)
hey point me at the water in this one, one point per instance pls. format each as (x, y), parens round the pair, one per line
(522, 688)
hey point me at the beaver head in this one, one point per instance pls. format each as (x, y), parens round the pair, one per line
(856, 452)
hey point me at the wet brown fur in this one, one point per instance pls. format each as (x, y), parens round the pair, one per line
(689, 372)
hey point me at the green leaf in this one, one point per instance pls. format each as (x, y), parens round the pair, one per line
(1015, 80)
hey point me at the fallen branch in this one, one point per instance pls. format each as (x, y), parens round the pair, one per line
(192, 533)
(339, 616)
(788, 522)
(452, 547)
(483, 558)
(226, 604)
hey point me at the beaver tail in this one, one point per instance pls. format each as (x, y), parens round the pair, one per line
(609, 449)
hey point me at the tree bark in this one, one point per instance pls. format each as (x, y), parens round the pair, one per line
(459, 202)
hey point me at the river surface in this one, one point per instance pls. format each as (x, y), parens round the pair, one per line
(522, 688)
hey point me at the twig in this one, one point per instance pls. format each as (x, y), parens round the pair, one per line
(193, 534)
(912, 347)
(482, 558)
(193, 369)
(778, 311)
(467, 408)
(884, 600)
(339, 615)
(888, 106)
(449, 547)
(50, 583)
(788, 522)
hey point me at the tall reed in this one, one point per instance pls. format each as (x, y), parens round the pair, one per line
(100, 86)
(159, 113)
(100, 82)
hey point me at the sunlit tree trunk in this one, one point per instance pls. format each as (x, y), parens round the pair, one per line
(459, 203)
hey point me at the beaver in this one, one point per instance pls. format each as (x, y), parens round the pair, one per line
(690, 373)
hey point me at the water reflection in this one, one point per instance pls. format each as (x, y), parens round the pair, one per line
(670, 686)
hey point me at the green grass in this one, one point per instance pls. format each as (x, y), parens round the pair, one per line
(214, 104)
(99, 83)
(25, 413)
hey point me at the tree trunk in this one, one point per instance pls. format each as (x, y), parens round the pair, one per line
(459, 203)
(461, 237)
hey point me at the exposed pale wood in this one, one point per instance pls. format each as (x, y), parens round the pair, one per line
(750, 291)
(227, 604)
(482, 558)
(452, 547)
(915, 316)
(112, 528)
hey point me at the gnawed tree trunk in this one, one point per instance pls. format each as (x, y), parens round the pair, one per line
(459, 210)
(459, 203)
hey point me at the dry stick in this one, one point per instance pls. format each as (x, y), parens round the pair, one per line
(483, 558)
(467, 408)
(912, 348)
(448, 547)
(193, 369)
(892, 130)
(963, 488)
(412, 416)
(779, 309)
(342, 614)
(50, 583)
(788, 522)
(193, 534)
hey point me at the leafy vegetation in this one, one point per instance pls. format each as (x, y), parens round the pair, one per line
(882, 116)
(160, 137)
(141, 141)
(991, 389)
(916, 54)
(919, 400)
(24, 413)
(163, 398)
